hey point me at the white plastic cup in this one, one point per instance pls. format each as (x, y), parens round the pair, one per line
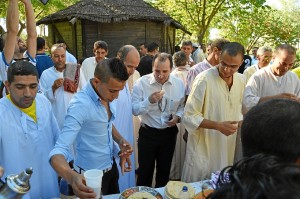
(93, 179)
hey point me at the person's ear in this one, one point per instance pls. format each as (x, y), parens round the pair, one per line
(215, 50)
(7, 84)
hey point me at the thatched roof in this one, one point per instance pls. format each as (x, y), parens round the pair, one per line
(107, 11)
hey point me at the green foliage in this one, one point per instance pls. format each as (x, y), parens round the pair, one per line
(260, 25)
(198, 15)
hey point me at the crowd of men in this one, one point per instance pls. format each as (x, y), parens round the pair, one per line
(63, 128)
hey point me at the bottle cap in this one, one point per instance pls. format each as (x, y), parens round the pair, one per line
(184, 188)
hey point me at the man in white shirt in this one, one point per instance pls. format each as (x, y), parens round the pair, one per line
(69, 57)
(89, 64)
(51, 83)
(187, 48)
(158, 100)
(264, 56)
(273, 81)
(211, 115)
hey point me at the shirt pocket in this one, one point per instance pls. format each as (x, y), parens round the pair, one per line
(173, 105)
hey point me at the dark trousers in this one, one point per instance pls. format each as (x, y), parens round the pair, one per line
(158, 146)
(110, 179)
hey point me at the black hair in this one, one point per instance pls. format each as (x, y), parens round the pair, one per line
(187, 43)
(259, 177)
(272, 128)
(151, 47)
(101, 44)
(177, 48)
(22, 68)
(162, 57)
(143, 43)
(233, 49)
(40, 43)
(112, 67)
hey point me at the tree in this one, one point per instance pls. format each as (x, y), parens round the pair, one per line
(198, 15)
(257, 26)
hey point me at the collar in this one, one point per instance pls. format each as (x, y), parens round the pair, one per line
(153, 80)
(41, 54)
(91, 90)
(183, 68)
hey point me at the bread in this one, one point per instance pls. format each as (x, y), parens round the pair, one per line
(203, 194)
(173, 188)
(141, 195)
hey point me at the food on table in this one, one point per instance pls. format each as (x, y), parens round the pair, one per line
(173, 189)
(141, 195)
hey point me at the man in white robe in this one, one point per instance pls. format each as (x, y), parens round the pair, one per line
(124, 118)
(211, 116)
(51, 84)
(28, 131)
(273, 81)
(264, 56)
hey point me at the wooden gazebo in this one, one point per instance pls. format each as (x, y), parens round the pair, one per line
(118, 22)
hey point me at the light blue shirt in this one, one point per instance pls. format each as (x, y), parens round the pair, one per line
(87, 125)
(70, 58)
(24, 144)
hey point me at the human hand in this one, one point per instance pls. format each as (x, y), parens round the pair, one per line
(57, 83)
(125, 164)
(228, 127)
(156, 96)
(125, 148)
(79, 187)
(173, 121)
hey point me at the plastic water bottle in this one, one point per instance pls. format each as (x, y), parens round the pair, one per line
(184, 194)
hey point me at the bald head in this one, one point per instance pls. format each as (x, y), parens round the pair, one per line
(130, 56)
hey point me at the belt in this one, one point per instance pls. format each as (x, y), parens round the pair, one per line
(81, 170)
(152, 128)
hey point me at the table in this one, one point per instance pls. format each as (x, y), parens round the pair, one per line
(197, 186)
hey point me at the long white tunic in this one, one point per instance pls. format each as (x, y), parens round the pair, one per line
(60, 99)
(210, 98)
(25, 143)
(264, 83)
(124, 124)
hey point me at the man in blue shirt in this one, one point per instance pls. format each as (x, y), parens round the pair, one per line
(89, 125)
(43, 61)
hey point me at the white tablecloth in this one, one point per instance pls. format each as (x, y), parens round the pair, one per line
(197, 186)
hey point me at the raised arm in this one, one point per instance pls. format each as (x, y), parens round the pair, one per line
(30, 28)
(12, 22)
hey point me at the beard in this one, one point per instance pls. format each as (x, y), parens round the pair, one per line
(22, 49)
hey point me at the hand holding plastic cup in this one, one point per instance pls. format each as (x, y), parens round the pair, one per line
(93, 180)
